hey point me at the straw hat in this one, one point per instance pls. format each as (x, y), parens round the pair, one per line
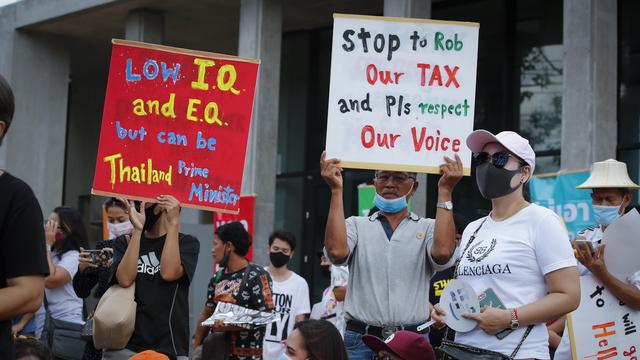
(608, 174)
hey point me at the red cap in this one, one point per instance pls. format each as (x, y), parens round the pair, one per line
(404, 344)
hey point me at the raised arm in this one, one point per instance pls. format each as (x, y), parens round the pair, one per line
(335, 238)
(128, 268)
(170, 264)
(444, 235)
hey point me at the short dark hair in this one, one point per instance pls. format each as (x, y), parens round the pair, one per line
(7, 103)
(322, 340)
(29, 348)
(235, 233)
(285, 236)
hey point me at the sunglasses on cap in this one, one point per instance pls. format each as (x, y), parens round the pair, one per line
(498, 159)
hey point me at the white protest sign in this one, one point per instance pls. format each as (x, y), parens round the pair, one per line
(602, 327)
(402, 93)
(623, 247)
(457, 299)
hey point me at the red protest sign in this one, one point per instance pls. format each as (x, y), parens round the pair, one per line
(245, 217)
(175, 122)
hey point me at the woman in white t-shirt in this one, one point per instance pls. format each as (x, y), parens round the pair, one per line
(65, 233)
(521, 252)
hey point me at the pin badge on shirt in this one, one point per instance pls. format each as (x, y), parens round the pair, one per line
(420, 235)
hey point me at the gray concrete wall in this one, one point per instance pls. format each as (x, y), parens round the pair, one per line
(589, 99)
(7, 34)
(261, 37)
(412, 9)
(36, 141)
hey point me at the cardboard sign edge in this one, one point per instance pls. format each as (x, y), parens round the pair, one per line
(400, 19)
(140, 198)
(177, 50)
(397, 167)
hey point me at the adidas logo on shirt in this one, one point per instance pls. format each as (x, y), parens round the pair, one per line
(148, 264)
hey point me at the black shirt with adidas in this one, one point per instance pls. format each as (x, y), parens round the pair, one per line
(162, 315)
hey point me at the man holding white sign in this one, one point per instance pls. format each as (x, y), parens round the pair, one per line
(391, 254)
(610, 195)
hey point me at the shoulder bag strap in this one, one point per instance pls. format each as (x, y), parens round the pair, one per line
(473, 237)
(526, 333)
(244, 280)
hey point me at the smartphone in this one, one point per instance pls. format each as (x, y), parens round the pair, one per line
(582, 243)
(489, 298)
(100, 257)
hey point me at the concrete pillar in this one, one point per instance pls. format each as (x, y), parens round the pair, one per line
(36, 140)
(408, 8)
(589, 99)
(7, 34)
(145, 25)
(412, 9)
(261, 37)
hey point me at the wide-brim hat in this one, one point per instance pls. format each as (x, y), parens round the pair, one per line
(404, 344)
(608, 174)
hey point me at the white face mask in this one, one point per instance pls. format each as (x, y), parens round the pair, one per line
(123, 228)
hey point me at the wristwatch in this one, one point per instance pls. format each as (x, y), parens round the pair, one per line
(514, 319)
(447, 205)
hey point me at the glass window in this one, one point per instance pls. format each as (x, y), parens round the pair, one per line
(539, 56)
(629, 87)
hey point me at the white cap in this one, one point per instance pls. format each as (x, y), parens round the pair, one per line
(608, 174)
(515, 143)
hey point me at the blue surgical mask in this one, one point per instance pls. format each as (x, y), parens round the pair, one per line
(605, 215)
(284, 356)
(391, 206)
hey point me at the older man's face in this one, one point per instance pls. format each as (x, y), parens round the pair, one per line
(611, 197)
(394, 184)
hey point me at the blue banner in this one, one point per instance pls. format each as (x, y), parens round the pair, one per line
(558, 193)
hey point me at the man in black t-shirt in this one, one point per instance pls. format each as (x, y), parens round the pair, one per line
(161, 262)
(230, 245)
(23, 261)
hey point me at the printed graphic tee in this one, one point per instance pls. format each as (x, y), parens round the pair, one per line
(512, 257)
(162, 315)
(255, 294)
(291, 298)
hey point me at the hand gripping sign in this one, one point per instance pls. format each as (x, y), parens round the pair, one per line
(176, 122)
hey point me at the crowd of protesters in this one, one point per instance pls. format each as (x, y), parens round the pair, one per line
(387, 271)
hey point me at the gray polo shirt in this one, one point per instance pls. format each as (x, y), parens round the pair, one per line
(389, 278)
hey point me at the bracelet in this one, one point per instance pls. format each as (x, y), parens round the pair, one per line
(515, 313)
(48, 248)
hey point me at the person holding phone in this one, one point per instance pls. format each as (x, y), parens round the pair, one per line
(94, 265)
(65, 234)
(520, 251)
(611, 188)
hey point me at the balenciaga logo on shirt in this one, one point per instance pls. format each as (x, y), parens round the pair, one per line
(149, 264)
(479, 252)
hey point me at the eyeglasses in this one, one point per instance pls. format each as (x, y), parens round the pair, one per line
(397, 177)
(498, 159)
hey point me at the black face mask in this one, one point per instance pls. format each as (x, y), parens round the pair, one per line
(494, 182)
(151, 218)
(279, 259)
(225, 258)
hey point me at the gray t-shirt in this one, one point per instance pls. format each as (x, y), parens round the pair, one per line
(389, 278)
